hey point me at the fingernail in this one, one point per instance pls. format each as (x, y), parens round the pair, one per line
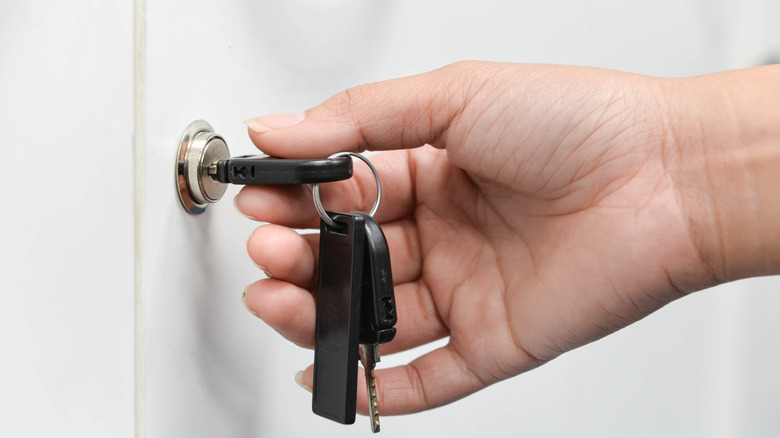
(243, 301)
(243, 298)
(261, 267)
(273, 122)
(235, 205)
(265, 270)
(299, 381)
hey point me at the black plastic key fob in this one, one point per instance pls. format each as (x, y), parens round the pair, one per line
(261, 169)
(378, 315)
(341, 270)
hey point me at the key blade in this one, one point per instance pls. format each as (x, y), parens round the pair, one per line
(368, 358)
(373, 405)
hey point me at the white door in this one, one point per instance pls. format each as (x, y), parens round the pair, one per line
(120, 313)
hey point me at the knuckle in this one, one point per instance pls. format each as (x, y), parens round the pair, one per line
(345, 102)
(465, 68)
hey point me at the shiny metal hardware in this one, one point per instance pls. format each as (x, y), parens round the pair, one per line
(196, 166)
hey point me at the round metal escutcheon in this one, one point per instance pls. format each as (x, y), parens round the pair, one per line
(199, 148)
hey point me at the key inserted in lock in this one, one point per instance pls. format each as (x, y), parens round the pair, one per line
(204, 168)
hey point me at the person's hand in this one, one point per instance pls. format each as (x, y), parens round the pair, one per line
(528, 209)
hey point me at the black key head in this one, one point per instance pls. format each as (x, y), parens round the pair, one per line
(378, 291)
(261, 169)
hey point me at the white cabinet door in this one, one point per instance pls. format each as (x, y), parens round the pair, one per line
(121, 314)
(212, 369)
(66, 234)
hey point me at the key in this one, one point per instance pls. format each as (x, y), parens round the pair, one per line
(339, 308)
(355, 313)
(378, 315)
(369, 356)
(378, 289)
(260, 169)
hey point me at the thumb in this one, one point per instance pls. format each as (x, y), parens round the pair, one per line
(396, 114)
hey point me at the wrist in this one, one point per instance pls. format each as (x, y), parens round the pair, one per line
(723, 154)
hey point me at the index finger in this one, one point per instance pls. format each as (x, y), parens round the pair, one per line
(396, 114)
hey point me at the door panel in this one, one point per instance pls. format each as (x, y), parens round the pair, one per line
(213, 369)
(66, 240)
(700, 367)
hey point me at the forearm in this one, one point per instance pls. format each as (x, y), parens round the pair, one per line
(723, 152)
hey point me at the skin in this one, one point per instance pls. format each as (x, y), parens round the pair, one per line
(529, 209)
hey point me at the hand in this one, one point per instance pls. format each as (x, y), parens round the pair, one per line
(528, 209)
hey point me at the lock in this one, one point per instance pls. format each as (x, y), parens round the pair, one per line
(199, 148)
(204, 168)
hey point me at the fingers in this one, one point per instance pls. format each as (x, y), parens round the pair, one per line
(283, 301)
(282, 253)
(290, 310)
(401, 113)
(418, 320)
(286, 255)
(287, 308)
(277, 204)
(293, 206)
(435, 379)
(290, 259)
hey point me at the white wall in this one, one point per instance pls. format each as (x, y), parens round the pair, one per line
(66, 240)
(225, 373)
(703, 366)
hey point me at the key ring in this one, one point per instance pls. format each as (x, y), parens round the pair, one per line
(315, 192)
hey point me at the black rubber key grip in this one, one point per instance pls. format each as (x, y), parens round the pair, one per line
(261, 169)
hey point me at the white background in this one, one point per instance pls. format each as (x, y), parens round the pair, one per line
(120, 314)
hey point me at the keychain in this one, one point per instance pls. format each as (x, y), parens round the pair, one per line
(355, 300)
(355, 308)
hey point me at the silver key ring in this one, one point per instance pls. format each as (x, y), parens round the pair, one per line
(315, 192)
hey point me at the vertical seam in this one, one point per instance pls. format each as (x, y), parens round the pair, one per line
(139, 199)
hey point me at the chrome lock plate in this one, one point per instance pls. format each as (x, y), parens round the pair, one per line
(199, 150)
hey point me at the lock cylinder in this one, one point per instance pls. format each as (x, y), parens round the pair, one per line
(200, 149)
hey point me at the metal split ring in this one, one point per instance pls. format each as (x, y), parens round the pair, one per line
(315, 191)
